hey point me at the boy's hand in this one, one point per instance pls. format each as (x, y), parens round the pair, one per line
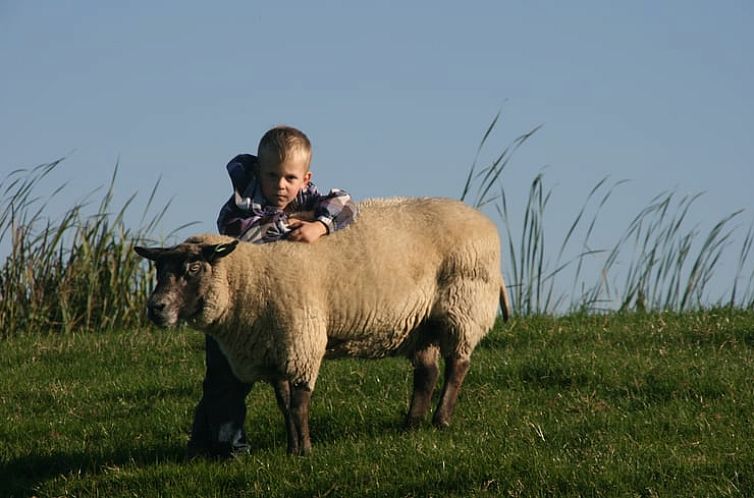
(306, 231)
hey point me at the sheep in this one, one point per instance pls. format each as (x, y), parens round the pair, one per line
(415, 277)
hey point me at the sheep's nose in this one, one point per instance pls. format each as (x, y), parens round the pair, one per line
(155, 307)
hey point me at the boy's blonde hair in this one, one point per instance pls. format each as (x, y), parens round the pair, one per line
(281, 142)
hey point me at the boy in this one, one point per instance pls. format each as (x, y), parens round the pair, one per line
(273, 199)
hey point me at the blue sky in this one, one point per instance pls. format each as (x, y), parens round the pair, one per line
(394, 95)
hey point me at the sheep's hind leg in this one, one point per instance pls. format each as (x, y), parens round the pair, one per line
(283, 397)
(455, 371)
(425, 378)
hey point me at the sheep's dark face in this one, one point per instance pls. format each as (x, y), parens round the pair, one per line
(183, 274)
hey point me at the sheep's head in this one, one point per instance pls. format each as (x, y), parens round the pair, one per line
(186, 279)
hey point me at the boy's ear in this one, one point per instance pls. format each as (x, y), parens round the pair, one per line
(308, 176)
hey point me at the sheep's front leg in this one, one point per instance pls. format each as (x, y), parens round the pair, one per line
(300, 397)
(425, 378)
(283, 397)
(455, 371)
(293, 401)
(304, 356)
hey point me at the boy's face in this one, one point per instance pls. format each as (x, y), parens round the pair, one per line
(282, 182)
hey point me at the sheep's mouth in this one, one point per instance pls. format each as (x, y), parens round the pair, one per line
(162, 321)
(198, 309)
(172, 316)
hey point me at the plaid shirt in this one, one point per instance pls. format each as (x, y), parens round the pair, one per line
(248, 216)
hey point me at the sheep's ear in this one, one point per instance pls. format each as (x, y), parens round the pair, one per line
(152, 253)
(217, 251)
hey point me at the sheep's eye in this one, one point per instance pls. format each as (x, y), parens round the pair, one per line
(193, 268)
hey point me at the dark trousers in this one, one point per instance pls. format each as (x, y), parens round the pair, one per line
(219, 416)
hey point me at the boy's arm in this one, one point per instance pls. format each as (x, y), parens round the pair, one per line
(335, 210)
(252, 226)
(242, 170)
(322, 214)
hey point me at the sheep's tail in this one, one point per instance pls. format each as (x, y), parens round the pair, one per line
(505, 302)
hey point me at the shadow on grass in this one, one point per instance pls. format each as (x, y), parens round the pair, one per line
(23, 476)
(327, 430)
(268, 434)
(151, 394)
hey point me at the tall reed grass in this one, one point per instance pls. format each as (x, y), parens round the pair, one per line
(76, 272)
(659, 263)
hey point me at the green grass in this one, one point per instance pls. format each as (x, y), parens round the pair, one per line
(613, 405)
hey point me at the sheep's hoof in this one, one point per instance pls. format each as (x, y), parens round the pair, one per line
(412, 423)
(441, 423)
(300, 450)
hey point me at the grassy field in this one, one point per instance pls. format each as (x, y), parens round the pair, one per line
(615, 405)
(652, 399)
